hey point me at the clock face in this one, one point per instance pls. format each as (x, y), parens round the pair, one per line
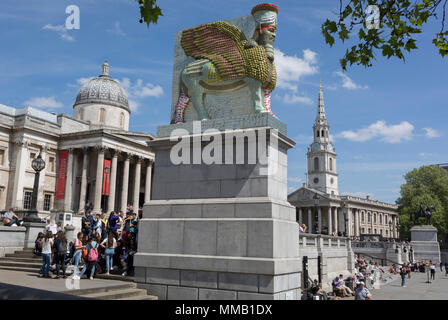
(316, 180)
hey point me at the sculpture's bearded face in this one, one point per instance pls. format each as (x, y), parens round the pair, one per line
(266, 39)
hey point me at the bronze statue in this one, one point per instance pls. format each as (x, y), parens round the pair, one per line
(422, 213)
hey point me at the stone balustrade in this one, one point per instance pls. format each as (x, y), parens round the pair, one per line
(11, 239)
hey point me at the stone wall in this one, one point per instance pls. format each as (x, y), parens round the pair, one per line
(336, 257)
(11, 239)
(384, 253)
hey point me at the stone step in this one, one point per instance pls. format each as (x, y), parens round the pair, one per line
(116, 294)
(147, 297)
(118, 287)
(21, 264)
(118, 277)
(36, 260)
(13, 268)
(22, 255)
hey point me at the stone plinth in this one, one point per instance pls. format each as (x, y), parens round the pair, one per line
(32, 230)
(424, 243)
(219, 231)
(11, 239)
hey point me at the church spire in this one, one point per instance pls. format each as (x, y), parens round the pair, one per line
(321, 118)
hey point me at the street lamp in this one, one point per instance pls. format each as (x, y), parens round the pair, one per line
(316, 215)
(38, 164)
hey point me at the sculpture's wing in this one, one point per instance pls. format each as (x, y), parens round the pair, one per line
(220, 42)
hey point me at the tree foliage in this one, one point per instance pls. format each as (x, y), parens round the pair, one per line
(149, 11)
(427, 185)
(399, 23)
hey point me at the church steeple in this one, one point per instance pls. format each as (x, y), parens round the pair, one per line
(321, 156)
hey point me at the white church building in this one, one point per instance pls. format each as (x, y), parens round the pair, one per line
(91, 156)
(318, 202)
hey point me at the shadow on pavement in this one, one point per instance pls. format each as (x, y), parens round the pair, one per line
(13, 292)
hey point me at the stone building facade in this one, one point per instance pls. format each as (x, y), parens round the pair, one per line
(318, 203)
(98, 131)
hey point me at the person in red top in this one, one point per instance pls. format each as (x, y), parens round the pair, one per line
(78, 254)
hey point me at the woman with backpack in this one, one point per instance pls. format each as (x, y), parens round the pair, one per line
(109, 244)
(78, 254)
(92, 258)
(60, 246)
(47, 243)
(38, 244)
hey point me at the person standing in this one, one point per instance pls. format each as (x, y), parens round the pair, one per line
(109, 244)
(432, 268)
(112, 224)
(403, 277)
(47, 243)
(362, 293)
(92, 258)
(446, 269)
(60, 246)
(441, 266)
(77, 255)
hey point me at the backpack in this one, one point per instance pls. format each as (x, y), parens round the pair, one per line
(93, 254)
(62, 247)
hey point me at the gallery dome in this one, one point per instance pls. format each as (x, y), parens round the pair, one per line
(103, 90)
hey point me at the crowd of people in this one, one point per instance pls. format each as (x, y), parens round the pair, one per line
(104, 244)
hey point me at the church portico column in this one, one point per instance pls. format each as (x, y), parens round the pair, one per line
(137, 178)
(330, 224)
(357, 233)
(300, 216)
(310, 224)
(20, 165)
(319, 219)
(125, 184)
(99, 179)
(148, 181)
(113, 181)
(69, 182)
(335, 219)
(83, 191)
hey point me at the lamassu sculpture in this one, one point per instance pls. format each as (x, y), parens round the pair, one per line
(225, 61)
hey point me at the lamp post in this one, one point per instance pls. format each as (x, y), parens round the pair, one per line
(38, 164)
(316, 214)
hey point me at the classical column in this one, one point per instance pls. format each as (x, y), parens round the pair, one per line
(148, 181)
(85, 168)
(69, 182)
(319, 215)
(125, 184)
(330, 224)
(137, 177)
(349, 222)
(335, 219)
(113, 182)
(99, 179)
(300, 216)
(19, 174)
(357, 233)
(310, 224)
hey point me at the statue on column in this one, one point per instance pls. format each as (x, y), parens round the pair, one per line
(422, 213)
(226, 61)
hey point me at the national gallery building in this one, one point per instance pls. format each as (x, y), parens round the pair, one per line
(91, 157)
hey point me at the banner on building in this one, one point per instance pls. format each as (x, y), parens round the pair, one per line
(106, 177)
(62, 171)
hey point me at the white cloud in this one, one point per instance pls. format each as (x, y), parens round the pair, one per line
(293, 98)
(296, 180)
(139, 90)
(43, 102)
(348, 83)
(117, 29)
(63, 33)
(431, 133)
(426, 155)
(387, 133)
(291, 68)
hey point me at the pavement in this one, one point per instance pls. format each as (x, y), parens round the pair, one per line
(416, 288)
(28, 286)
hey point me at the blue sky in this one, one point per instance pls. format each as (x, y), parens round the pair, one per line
(384, 120)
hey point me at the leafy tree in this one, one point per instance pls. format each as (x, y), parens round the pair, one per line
(399, 23)
(427, 185)
(149, 11)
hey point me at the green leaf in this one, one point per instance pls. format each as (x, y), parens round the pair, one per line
(149, 11)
